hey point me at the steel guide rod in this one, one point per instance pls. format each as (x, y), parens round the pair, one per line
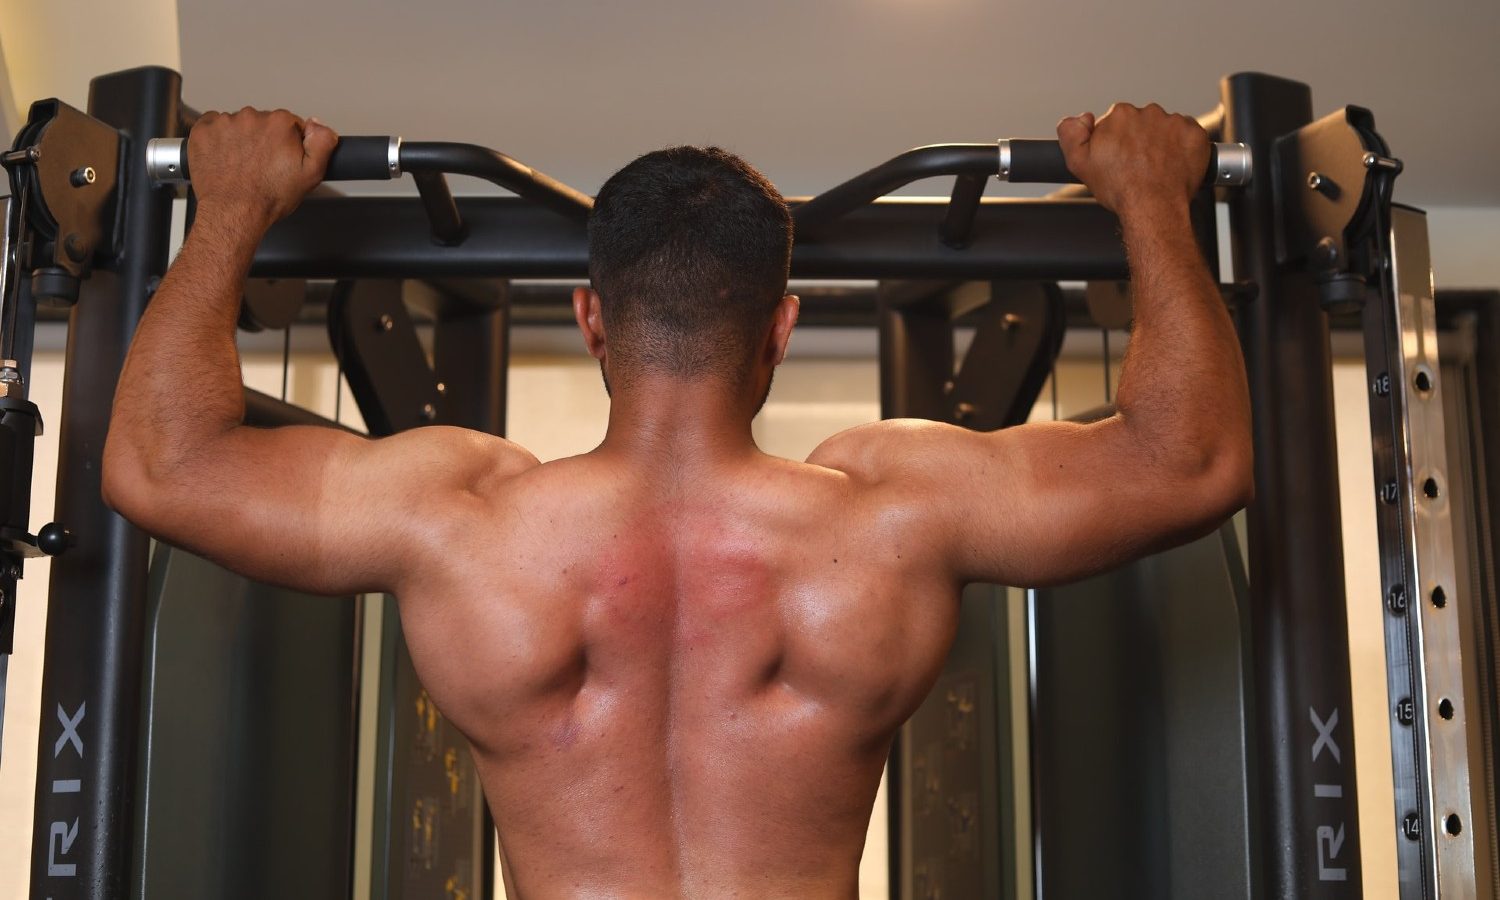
(1429, 750)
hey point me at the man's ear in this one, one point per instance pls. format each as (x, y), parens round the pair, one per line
(590, 320)
(782, 323)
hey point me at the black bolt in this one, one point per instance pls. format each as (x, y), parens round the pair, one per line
(74, 246)
(54, 538)
(84, 175)
(1326, 254)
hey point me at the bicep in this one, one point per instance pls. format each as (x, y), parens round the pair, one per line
(318, 509)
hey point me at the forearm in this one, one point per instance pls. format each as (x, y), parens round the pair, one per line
(181, 384)
(1182, 388)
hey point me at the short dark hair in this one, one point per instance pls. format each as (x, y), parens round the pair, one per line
(689, 249)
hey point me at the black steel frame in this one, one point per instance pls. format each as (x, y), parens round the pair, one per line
(86, 761)
(1298, 631)
(1298, 637)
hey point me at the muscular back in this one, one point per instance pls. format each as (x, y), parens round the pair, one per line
(682, 683)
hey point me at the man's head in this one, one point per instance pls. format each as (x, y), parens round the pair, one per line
(688, 255)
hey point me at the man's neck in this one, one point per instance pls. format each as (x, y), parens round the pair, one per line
(689, 422)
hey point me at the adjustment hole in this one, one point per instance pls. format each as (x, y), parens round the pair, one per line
(1423, 381)
(1439, 597)
(1445, 708)
(1453, 825)
(1430, 488)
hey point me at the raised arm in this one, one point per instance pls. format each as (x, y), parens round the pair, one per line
(312, 508)
(1051, 502)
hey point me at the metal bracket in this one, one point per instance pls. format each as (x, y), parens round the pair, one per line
(376, 343)
(1018, 331)
(1333, 177)
(66, 165)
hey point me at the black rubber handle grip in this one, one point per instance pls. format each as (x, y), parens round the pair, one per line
(1042, 162)
(361, 159)
(356, 158)
(1038, 162)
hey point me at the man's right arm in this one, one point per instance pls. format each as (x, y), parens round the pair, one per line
(1052, 502)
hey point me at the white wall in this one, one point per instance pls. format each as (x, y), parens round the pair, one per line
(1372, 734)
(53, 48)
(1465, 245)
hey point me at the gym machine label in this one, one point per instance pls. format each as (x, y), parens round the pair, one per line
(61, 835)
(1330, 840)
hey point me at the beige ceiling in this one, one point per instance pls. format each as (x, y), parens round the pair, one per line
(813, 91)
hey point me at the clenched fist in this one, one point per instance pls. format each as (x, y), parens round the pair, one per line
(257, 164)
(1136, 156)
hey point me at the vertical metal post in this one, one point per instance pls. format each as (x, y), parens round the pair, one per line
(471, 354)
(916, 358)
(1303, 737)
(91, 682)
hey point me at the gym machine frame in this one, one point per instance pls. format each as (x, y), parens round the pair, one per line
(1313, 228)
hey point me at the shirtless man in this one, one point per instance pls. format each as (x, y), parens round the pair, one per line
(681, 661)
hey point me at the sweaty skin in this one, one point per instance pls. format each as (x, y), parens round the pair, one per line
(680, 661)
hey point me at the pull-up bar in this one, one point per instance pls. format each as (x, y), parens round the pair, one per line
(381, 158)
(372, 158)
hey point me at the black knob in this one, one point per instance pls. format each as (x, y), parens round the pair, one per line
(53, 539)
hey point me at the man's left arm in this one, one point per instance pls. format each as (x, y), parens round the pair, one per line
(316, 509)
